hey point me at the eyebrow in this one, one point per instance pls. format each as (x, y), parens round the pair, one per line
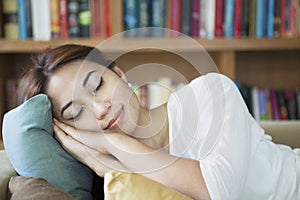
(85, 80)
(65, 107)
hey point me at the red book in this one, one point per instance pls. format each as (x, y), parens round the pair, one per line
(195, 18)
(96, 18)
(219, 19)
(283, 14)
(63, 15)
(237, 24)
(144, 96)
(175, 16)
(107, 16)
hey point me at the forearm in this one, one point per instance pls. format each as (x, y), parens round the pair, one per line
(183, 175)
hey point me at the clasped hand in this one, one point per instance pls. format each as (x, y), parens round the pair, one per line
(90, 148)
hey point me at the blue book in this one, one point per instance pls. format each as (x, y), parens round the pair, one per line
(262, 104)
(270, 18)
(144, 18)
(130, 17)
(158, 19)
(22, 19)
(261, 18)
(228, 18)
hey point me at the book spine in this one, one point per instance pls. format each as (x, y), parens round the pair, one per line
(84, 18)
(297, 93)
(28, 18)
(210, 23)
(262, 104)
(108, 18)
(158, 18)
(283, 113)
(203, 20)
(195, 18)
(297, 4)
(277, 20)
(175, 17)
(1, 30)
(41, 19)
(73, 20)
(283, 14)
(270, 18)
(268, 105)
(274, 104)
(96, 19)
(186, 8)
(130, 17)
(144, 18)
(228, 18)
(10, 19)
(63, 16)
(22, 19)
(55, 20)
(219, 19)
(290, 100)
(144, 96)
(237, 26)
(252, 18)
(260, 18)
(255, 102)
(245, 18)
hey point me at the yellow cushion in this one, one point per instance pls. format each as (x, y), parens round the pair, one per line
(123, 185)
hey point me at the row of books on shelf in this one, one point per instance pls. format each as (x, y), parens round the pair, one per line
(216, 18)
(56, 19)
(271, 103)
(61, 19)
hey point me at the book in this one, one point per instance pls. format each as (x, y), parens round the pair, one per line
(10, 19)
(255, 103)
(84, 18)
(144, 96)
(237, 23)
(268, 105)
(159, 17)
(96, 11)
(228, 18)
(219, 18)
(274, 104)
(270, 18)
(262, 104)
(290, 101)
(73, 19)
(41, 23)
(297, 94)
(203, 20)
(283, 112)
(24, 19)
(55, 19)
(63, 16)
(252, 18)
(210, 23)
(247, 96)
(130, 17)
(107, 18)
(186, 9)
(195, 18)
(1, 22)
(175, 17)
(144, 19)
(245, 18)
(261, 18)
(277, 19)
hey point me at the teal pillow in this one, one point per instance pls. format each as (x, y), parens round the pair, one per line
(33, 151)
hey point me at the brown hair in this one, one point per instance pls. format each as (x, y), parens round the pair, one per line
(44, 64)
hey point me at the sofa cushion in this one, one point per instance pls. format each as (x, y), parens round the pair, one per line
(29, 188)
(124, 185)
(6, 172)
(34, 152)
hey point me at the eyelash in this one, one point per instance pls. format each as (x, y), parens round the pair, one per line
(75, 118)
(99, 85)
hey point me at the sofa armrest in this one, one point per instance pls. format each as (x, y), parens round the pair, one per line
(6, 172)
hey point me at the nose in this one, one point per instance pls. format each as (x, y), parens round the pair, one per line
(101, 109)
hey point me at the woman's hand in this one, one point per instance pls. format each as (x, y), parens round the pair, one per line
(94, 156)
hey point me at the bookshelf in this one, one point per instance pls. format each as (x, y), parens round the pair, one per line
(264, 62)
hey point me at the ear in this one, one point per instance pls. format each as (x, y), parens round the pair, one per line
(120, 73)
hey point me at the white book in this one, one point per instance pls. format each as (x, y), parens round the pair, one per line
(255, 103)
(41, 21)
(202, 20)
(210, 19)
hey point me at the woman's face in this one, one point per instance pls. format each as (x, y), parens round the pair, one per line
(91, 97)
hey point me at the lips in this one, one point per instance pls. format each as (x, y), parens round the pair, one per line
(116, 119)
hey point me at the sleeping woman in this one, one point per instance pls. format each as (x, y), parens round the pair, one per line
(203, 142)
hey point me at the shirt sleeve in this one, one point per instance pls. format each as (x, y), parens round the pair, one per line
(209, 122)
(226, 156)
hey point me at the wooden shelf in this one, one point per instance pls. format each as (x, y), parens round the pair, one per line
(125, 44)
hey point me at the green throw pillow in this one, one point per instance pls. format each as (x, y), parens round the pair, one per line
(33, 151)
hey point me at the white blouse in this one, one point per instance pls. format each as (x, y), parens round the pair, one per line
(209, 122)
